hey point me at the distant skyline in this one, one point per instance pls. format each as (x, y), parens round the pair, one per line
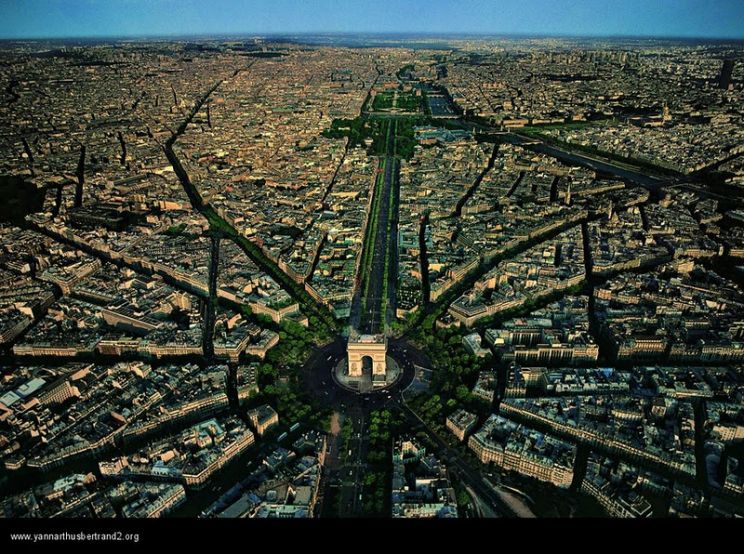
(21, 19)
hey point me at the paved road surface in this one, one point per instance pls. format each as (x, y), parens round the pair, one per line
(372, 320)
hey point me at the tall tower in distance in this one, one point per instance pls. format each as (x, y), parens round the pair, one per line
(666, 114)
(727, 69)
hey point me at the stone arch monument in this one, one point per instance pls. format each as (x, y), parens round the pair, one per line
(373, 346)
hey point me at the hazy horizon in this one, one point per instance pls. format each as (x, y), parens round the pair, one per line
(110, 19)
(389, 35)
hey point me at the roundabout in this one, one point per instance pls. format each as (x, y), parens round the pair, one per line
(323, 376)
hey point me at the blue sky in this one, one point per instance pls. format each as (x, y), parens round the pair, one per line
(89, 18)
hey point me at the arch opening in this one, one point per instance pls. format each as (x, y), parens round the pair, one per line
(367, 365)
